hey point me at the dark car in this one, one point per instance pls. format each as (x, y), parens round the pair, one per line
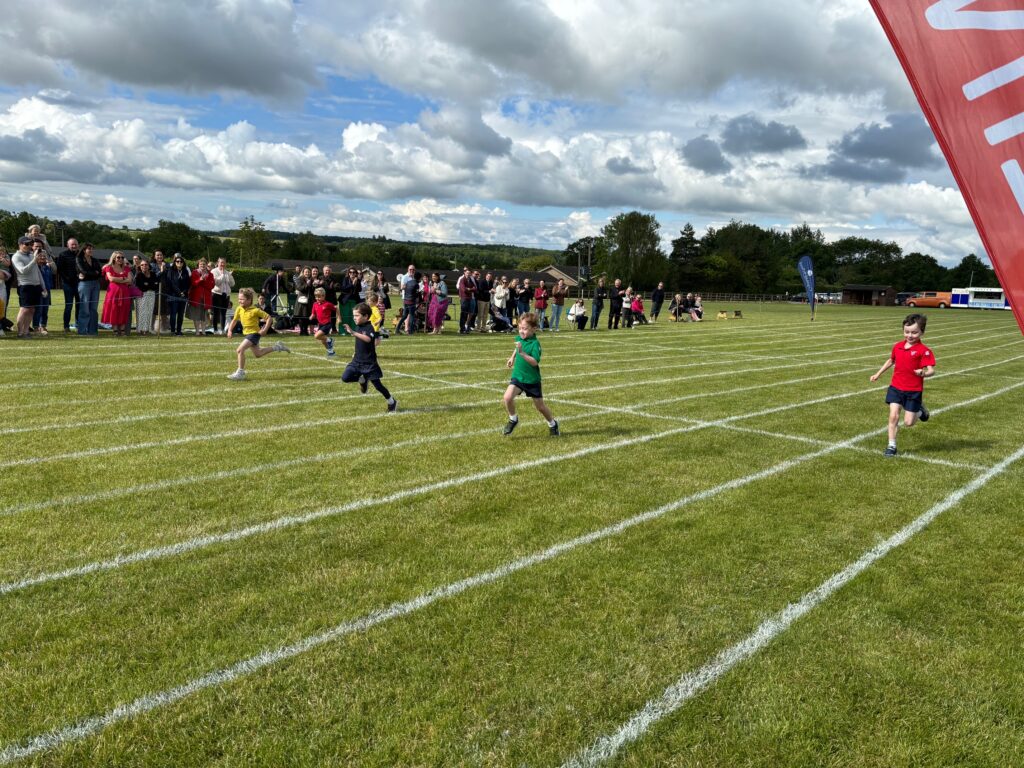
(901, 298)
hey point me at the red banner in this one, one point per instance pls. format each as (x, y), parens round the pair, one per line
(965, 61)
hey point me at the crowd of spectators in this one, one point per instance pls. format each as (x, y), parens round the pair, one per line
(162, 293)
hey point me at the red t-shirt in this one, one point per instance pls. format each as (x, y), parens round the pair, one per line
(907, 361)
(322, 311)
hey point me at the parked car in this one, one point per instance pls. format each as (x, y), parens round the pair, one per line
(903, 296)
(940, 299)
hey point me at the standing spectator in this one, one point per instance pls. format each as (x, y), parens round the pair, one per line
(147, 282)
(540, 304)
(348, 295)
(499, 299)
(89, 271)
(67, 271)
(524, 295)
(160, 310)
(438, 304)
(177, 280)
(600, 296)
(200, 296)
(410, 298)
(42, 314)
(615, 298)
(466, 287)
(304, 299)
(30, 283)
(292, 297)
(5, 274)
(223, 282)
(484, 288)
(558, 294)
(513, 299)
(118, 299)
(657, 299)
(424, 302)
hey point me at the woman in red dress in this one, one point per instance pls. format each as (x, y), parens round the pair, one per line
(200, 296)
(118, 302)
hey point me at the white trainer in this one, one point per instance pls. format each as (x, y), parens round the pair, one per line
(279, 346)
(238, 375)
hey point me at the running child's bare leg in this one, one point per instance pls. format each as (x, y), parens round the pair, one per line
(894, 421)
(540, 405)
(511, 393)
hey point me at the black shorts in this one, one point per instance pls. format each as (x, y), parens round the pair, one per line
(253, 338)
(911, 401)
(530, 390)
(30, 296)
(325, 328)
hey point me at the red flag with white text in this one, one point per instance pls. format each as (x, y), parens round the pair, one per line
(965, 61)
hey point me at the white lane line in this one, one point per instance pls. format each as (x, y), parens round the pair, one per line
(90, 726)
(288, 521)
(692, 683)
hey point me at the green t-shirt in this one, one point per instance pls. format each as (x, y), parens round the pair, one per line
(522, 370)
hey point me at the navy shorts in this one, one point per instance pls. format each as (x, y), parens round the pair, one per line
(530, 390)
(253, 338)
(324, 328)
(911, 401)
(30, 295)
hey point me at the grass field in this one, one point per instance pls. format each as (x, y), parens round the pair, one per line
(714, 565)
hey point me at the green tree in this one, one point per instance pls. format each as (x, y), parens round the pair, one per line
(969, 272)
(634, 249)
(252, 245)
(585, 252)
(685, 260)
(918, 272)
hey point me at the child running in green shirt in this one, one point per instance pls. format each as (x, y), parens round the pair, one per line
(525, 365)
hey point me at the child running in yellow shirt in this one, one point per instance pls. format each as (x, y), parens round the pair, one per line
(250, 316)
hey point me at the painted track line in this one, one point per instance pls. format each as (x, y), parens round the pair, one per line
(692, 683)
(90, 726)
(289, 521)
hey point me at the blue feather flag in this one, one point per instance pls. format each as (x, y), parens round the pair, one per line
(806, 268)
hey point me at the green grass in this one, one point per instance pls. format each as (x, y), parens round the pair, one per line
(118, 447)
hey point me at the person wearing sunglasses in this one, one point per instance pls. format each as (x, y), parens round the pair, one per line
(176, 284)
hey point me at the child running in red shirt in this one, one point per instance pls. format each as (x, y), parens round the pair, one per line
(322, 313)
(914, 363)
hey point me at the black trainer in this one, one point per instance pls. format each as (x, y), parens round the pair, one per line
(890, 450)
(509, 426)
(553, 429)
(925, 415)
(393, 405)
(362, 384)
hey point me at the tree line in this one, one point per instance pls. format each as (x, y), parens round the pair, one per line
(736, 258)
(746, 258)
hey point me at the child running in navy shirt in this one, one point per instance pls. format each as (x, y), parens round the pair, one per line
(322, 313)
(914, 363)
(364, 367)
(525, 365)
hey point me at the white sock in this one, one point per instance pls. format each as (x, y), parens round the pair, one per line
(892, 443)
(551, 423)
(514, 418)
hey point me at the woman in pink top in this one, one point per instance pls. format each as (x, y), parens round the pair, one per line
(200, 296)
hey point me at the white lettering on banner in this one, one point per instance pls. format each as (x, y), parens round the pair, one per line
(947, 14)
(1015, 178)
(997, 78)
(1007, 129)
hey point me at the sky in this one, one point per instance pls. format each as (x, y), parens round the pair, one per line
(531, 122)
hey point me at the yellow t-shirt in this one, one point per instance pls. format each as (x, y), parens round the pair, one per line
(251, 318)
(375, 318)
